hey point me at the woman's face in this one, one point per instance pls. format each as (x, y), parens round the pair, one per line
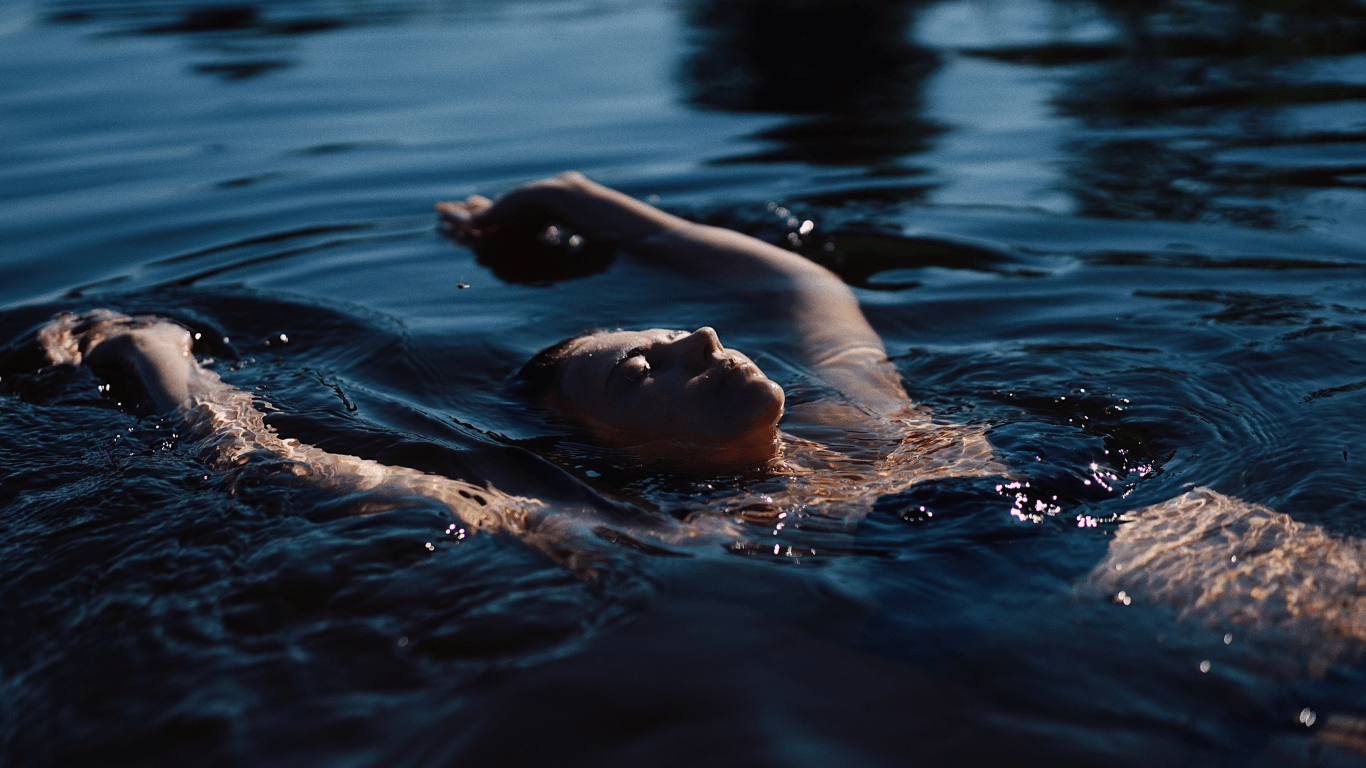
(640, 386)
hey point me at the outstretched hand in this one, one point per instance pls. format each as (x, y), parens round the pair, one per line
(542, 232)
(520, 214)
(460, 221)
(568, 201)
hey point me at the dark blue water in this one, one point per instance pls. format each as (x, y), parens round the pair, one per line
(1126, 240)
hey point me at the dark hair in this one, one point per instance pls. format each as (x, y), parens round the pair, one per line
(540, 372)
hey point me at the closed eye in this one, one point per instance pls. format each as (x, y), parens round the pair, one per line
(632, 367)
(635, 367)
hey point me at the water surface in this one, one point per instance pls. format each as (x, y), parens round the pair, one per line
(1126, 241)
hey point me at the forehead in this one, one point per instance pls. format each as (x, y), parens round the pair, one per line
(590, 361)
(614, 343)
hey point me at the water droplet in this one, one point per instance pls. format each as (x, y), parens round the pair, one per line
(1204, 666)
(1308, 716)
(1228, 638)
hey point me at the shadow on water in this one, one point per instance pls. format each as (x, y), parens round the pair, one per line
(246, 40)
(206, 18)
(847, 72)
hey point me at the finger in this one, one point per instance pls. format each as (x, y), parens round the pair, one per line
(456, 220)
(477, 204)
(453, 209)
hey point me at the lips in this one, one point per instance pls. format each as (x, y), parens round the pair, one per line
(733, 371)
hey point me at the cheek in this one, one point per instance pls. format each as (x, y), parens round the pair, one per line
(684, 405)
(665, 406)
(734, 410)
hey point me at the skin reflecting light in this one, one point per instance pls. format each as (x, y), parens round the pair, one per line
(666, 387)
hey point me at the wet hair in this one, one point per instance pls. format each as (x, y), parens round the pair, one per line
(541, 371)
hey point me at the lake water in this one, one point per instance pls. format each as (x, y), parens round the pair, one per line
(1127, 241)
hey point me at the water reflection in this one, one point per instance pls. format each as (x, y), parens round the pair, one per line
(1239, 111)
(848, 70)
(1212, 111)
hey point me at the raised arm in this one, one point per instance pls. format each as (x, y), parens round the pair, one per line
(836, 341)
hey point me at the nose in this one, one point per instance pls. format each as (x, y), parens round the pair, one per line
(699, 348)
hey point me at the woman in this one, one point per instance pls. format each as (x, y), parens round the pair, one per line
(682, 396)
(668, 394)
(613, 382)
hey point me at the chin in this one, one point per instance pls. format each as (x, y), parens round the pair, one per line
(753, 432)
(759, 409)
